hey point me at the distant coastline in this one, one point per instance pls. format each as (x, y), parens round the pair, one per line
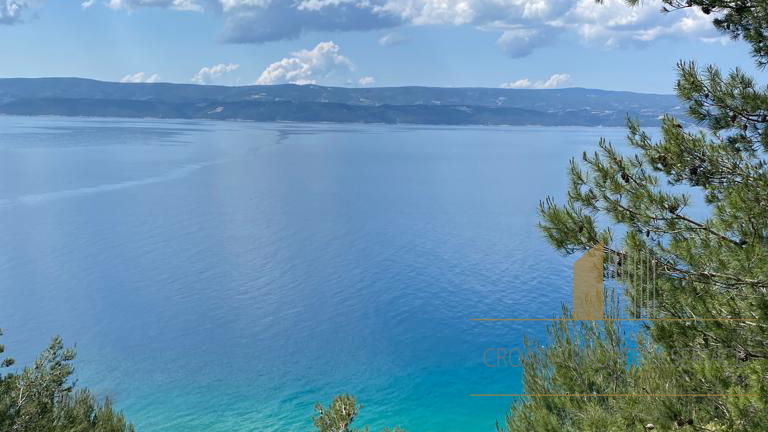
(78, 97)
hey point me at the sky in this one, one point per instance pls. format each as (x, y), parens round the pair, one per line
(356, 43)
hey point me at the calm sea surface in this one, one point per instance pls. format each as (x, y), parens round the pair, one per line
(224, 276)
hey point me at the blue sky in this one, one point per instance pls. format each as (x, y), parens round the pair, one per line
(485, 43)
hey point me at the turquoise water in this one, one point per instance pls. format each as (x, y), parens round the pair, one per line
(226, 276)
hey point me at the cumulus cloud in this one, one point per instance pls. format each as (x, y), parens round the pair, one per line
(366, 81)
(522, 25)
(474, 12)
(614, 25)
(392, 39)
(140, 77)
(307, 66)
(521, 83)
(207, 75)
(556, 80)
(528, 21)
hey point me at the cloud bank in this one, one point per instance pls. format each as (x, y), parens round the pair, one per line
(257, 21)
(523, 26)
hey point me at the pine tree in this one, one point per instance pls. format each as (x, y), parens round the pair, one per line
(339, 415)
(709, 264)
(42, 398)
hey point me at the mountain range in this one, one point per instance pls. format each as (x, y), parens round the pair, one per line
(313, 103)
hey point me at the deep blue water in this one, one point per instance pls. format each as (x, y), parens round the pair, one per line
(224, 276)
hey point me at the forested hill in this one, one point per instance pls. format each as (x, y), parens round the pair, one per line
(312, 103)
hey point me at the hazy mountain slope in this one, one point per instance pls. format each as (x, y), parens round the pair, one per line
(426, 105)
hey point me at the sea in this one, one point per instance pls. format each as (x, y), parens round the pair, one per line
(227, 276)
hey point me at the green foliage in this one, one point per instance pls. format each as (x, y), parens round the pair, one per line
(614, 386)
(710, 264)
(697, 374)
(42, 398)
(339, 415)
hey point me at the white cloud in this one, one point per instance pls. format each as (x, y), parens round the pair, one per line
(256, 21)
(11, 10)
(140, 77)
(611, 19)
(314, 5)
(556, 80)
(307, 66)
(190, 5)
(526, 25)
(208, 74)
(522, 25)
(613, 24)
(521, 83)
(366, 81)
(228, 5)
(392, 39)
(87, 3)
